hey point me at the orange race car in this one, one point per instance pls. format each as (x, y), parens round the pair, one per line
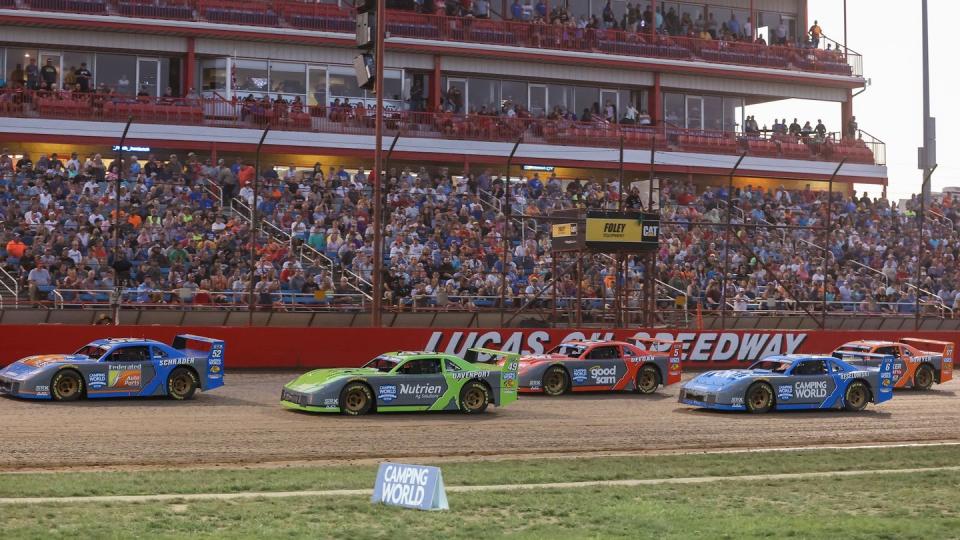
(913, 367)
(590, 366)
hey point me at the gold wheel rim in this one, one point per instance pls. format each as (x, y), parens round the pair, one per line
(759, 398)
(647, 380)
(66, 386)
(181, 383)
(857, 397)
(474, 398)
(355, 399)
(554, 383)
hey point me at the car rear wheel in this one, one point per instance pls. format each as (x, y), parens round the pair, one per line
(556, 382)
(923, 378)
(356, 399)
(647, 380)
(67, 385)
(857, 396)
(759, 398)
(182, 384)
(474, 398)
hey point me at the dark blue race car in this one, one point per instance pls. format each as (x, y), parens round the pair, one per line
(792, 382)
(119, 368)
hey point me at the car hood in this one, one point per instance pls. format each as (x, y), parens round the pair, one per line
(533, 360)
(317, 378)
(721, 378)
(33, 364)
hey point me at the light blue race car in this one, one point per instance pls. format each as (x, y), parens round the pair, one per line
(119, 368)
(793, 381)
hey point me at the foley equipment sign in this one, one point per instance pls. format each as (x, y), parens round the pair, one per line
(622, 231)
(410, 486)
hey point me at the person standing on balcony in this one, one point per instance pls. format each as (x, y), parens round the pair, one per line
(748, 29)
(821, 131)
(712, 26)
(48, 73)
(33, 75)
(516, 11)
(734, 25)
(781, 38)
(481, 9)
(17, 77)
(84, 77)
(815, 33)
(852, 127)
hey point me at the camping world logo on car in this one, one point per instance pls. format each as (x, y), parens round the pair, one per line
(387, 393)
(580, 375)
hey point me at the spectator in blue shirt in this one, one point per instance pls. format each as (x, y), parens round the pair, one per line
(516, 10)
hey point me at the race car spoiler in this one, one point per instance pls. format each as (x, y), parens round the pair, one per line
(947, 346)
(653, 341)
(492, 353)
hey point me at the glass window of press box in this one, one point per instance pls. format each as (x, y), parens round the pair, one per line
(124, 74)
(542, 99)
(313, 84)
(703, 112)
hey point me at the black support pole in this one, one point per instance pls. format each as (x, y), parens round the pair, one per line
(116, 226)
(726, 244)
(253, 226)
(507, 216)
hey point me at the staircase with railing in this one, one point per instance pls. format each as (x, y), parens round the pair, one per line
(9, 289)
(306, 254)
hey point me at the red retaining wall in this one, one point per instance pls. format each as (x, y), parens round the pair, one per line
(326, 347)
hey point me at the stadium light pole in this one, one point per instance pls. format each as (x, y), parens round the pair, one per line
(726, 243)
(620, 272)
(507, 216)
(253, 224)
(116, 226)
(826, 236)
(376, 319)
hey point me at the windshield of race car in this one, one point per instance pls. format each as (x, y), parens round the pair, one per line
(776, 366)
(382, 363)
(569, 349)
(93, 351)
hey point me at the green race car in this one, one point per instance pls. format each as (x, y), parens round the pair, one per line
(407, 381)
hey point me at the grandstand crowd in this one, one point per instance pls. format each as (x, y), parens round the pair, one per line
(184, 239)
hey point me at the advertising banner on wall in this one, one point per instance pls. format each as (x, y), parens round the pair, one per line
(329, 347)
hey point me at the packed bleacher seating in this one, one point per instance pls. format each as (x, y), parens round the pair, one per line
(621, 31)
(184, 240)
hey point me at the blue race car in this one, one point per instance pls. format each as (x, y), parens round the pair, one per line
(119, 368)
(793, 381)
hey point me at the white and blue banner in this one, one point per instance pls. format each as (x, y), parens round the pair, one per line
(410, 486)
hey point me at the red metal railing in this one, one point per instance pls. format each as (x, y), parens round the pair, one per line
(215, 112)
(329, 17)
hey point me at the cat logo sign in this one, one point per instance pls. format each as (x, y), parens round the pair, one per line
(622, 231)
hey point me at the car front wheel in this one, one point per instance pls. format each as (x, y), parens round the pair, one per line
(555, 381)
(67, 385)
(356, 399)
(759, 398)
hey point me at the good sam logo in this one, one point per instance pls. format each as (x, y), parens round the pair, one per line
(604, 375)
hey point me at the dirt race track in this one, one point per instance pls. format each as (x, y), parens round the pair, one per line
(243, 423)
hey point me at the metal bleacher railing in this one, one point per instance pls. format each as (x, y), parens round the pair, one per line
(218, 112)
(407, 25)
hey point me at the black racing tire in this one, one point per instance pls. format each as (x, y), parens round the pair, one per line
(66, 385)
(759, 398)
(923, 378)
(648, 379)
(182, 383)
(474, 397)
(857, 396)
(556, 381)
(356, 399)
